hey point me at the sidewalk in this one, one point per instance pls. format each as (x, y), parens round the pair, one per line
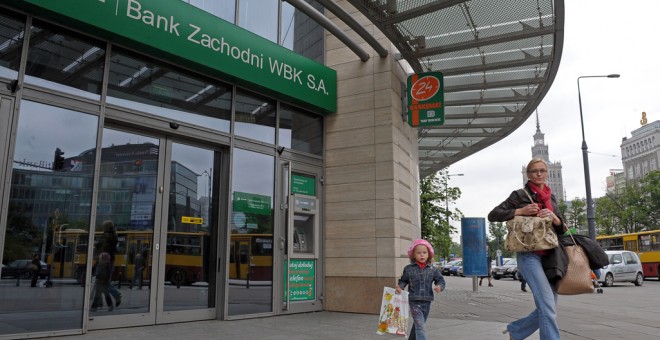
(308, 326)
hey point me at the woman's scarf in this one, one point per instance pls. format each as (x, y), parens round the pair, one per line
(543, 194)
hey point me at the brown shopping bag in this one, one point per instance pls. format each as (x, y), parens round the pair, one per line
(577, 279)
(394, 312)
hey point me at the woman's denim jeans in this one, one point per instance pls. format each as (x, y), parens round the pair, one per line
(544, 317)
(419, 310)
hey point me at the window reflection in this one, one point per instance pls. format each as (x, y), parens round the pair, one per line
(255, 117)
(223, 9)
(166, 92)
(251, 241)
(48, 217)
(11, 43)
(300, 33)
(64, 61)
(300, 130)
(259, 17)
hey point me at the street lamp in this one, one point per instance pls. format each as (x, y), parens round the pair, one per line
(447, 194)
(585, 159)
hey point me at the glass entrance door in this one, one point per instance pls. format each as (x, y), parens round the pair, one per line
(154, 248)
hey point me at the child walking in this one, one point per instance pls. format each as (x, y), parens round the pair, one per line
(103, 277)
(420, 276)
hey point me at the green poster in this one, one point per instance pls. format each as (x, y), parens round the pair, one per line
(251, 203)
(301, 280)
(303, 185)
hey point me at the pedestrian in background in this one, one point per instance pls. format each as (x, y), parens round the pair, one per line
(35, 267)
(102, 283)
(489, 265)
(544, 317)
(420, 276)
(108, 244)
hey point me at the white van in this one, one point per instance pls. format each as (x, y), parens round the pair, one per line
(624, 266)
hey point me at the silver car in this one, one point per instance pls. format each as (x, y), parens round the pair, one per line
(624, 266)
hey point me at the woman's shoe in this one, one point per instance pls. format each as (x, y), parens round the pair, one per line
(490, 285)
(505, 331)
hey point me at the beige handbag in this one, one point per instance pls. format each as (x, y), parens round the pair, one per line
(578, 279)
(527, 233)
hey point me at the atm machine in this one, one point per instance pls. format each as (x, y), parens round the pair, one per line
(301, 266)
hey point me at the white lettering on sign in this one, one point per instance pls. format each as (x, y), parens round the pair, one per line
(134, 11)
(139, 11)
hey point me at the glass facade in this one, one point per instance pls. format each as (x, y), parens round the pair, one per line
(72, 201)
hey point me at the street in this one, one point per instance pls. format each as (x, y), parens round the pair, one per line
(623, 311)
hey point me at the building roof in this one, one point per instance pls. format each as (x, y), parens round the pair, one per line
(498, 58)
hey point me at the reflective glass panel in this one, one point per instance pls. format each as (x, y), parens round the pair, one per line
(48, 221)
(300, 33)
(64, 61)
(124, 223)
(223, 9)
(259, 17)
(251, 229)
(300, 130)
(190, 231)
(12, 29)
(255, 117)
(148, 86)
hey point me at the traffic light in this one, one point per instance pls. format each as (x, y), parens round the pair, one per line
(58, 160)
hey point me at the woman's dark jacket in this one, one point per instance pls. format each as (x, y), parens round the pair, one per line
(555, 261)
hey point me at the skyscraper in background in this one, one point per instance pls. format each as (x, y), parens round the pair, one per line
(540, 150)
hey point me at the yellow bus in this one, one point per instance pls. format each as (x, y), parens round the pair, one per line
(183, 264)
(646, 244)
(251, 257)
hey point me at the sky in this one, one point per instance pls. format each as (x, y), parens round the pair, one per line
(600, 38)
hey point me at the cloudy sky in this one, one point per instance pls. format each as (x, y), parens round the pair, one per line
(600, 38)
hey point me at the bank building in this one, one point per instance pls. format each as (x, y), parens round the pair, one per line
(243, 158)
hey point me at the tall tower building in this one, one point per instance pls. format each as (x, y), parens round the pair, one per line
(540, 150)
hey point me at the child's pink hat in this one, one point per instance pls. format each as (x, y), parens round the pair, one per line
(423, 243)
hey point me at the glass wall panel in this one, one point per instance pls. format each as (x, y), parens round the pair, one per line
(12, 29)
(255, 117)
(124, 222)
(48, 220)
(251, 229)
(300, 33)
(225, 9)
(64, 61)
(300, 130)
(259, 17)
(145, 85)
(190, 244)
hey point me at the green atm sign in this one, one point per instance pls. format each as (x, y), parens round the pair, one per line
(186, 34)
(426, 99)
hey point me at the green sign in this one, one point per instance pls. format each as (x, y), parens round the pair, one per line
(301, 280)
(303, 185)
(426, 99)
(251, 203)
(189, 35)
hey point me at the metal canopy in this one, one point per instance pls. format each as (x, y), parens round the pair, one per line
(498, 58)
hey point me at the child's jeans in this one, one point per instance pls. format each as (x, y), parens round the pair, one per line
(419, 310)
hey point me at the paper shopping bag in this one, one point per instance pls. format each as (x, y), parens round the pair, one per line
(394, 312)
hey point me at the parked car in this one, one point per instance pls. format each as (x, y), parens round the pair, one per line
(459, 271)
(508, 269)
(451, 267)
(624, 266)
(21, 268)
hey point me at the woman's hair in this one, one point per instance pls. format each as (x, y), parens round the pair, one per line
(534, 161)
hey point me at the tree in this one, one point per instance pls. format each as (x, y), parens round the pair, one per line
(576, 215)
(434, 198)
(498, 233)
(650, 199)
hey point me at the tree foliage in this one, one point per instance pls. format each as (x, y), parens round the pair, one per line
(435, 196)
(634, 208)
(576, 215)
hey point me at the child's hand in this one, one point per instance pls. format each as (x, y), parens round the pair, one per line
(437, 289)
(398, 289)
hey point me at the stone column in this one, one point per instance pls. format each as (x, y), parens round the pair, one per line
(371, 172)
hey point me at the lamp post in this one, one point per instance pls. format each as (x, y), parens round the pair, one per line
(591, 223)
(447, 194)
